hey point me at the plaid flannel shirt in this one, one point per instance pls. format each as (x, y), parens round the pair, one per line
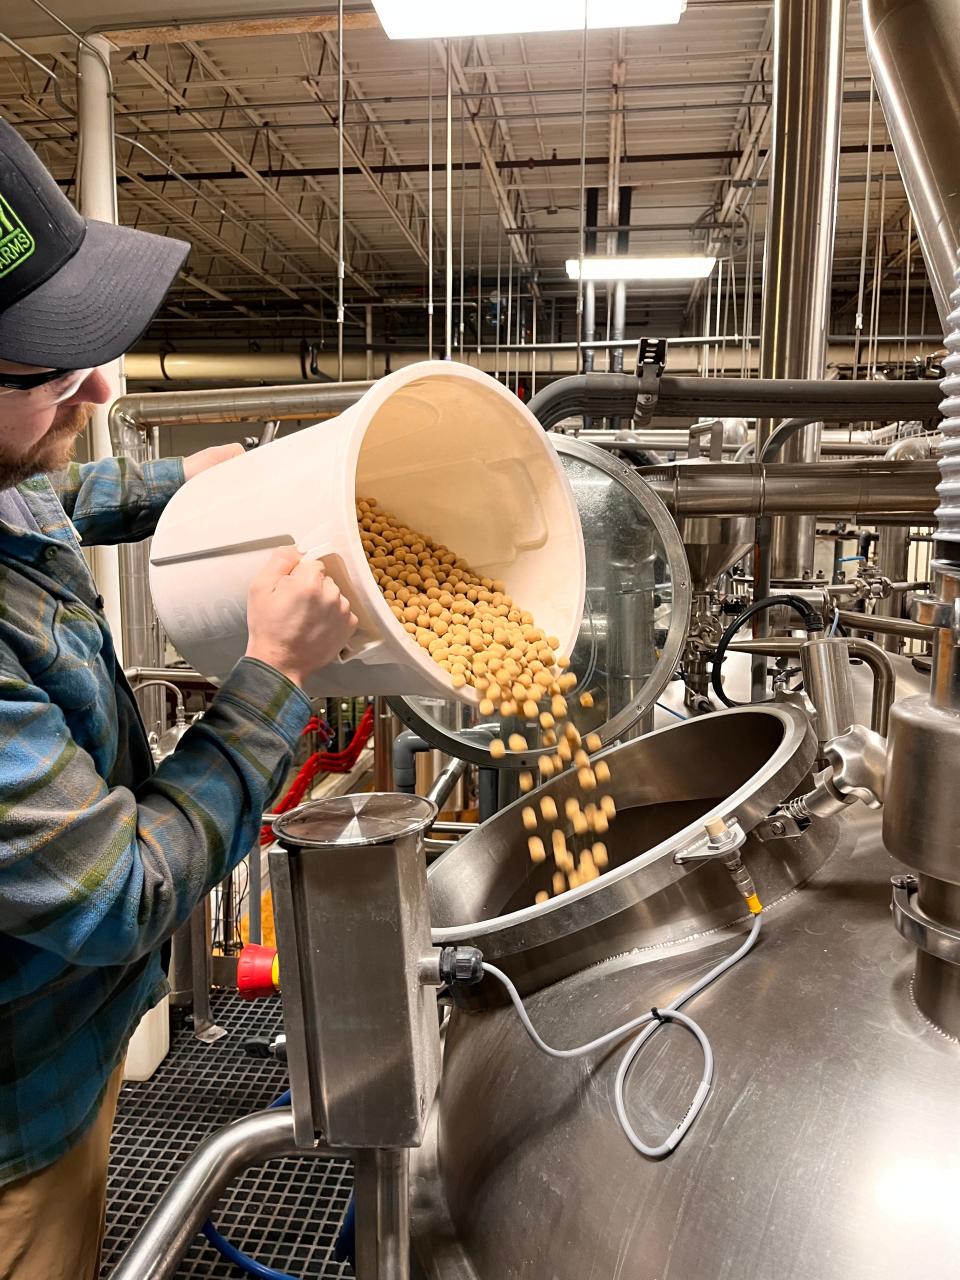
(101, 856)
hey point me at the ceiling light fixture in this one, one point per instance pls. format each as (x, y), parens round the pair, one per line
(434, 19)
(641, 268)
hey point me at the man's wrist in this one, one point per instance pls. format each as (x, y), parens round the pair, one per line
(289, 673)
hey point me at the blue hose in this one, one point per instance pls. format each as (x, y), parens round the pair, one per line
(249, 1266)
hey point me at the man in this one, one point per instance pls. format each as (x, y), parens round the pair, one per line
(101, 858)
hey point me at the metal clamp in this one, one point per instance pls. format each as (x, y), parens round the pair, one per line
(918, 928)
(651, 360)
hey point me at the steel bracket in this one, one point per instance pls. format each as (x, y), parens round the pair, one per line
(651, 360)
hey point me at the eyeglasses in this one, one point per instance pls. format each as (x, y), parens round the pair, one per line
(53, 385)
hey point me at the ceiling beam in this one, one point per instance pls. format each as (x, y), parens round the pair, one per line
(241, 29)
(255, 118)
(179, 219)
(228, 210)
(158, 81)
(491, 166)
(415, 215)
(755, 118)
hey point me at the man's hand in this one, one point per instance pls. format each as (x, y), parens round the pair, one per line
(297, 619)
(208, 458)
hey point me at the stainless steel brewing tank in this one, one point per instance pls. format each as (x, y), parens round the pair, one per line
(828, 1148)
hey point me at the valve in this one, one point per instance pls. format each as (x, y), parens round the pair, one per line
(258, 972)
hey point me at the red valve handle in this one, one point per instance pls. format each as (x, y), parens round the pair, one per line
(258, 972)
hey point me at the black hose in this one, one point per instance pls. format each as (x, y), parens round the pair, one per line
(811, 620)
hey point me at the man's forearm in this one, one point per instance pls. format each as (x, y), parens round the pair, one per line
(117, 500)
(100, 876)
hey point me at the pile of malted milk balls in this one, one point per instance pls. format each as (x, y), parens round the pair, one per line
(475, 632)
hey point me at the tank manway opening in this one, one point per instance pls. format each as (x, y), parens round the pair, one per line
(664, 785)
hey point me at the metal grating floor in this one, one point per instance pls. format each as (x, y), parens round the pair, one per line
(285, 1214)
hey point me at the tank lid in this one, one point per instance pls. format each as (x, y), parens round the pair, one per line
(344, 821)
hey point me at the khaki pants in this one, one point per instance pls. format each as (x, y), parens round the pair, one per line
(52, 1221)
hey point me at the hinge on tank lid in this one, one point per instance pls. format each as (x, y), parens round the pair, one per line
(651, 359)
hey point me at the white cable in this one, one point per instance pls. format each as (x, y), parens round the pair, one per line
(650, 1022)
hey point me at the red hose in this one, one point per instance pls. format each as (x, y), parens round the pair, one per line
(322, 762)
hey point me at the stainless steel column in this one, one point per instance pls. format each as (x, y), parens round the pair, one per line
(921, 812)
(384, 732)
(828, 684)
(801, 214)
(892, 555)
(914, 50)
(353, 922)
(382, 1189)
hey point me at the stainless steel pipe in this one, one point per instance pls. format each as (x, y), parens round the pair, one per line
(914, 51)
(678, 438)
(235, 404)
(850, 489)
(383, 1214)
(169, 1230)
(597, 394)
(884, 676)
(887, 626)
(808, 48)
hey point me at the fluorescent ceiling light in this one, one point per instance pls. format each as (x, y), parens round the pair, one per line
(641, 268)
(431, 19)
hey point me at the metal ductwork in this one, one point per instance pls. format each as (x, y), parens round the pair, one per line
(914, 50)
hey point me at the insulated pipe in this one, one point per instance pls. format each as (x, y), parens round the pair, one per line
(619, 319)
(914, 51)
(615, 394)
(808, 46)
(851, 489)
(97, 198)
(190, 1198)
(589, 286)
(598, 394)
(269, 368)
(121, 572)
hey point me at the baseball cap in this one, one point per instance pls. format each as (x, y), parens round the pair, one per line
(74, 293)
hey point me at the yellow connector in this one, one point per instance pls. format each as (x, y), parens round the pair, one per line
(754, 903)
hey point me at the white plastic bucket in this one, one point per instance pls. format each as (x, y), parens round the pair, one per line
(444, 447)
(149, 1044)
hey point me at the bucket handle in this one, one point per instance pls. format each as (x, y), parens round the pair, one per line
(366, 639)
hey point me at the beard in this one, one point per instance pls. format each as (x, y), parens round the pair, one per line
(52, 452)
